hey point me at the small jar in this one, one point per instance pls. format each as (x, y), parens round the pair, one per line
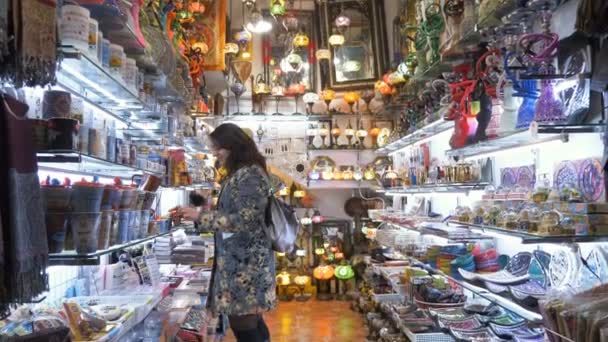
(93, 35)
(105, 53)
(116, 58)
(74, 27)
(131, 74)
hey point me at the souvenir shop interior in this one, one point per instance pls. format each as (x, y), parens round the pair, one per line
(446, 159)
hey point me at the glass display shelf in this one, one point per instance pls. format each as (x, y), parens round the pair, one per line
(442, 231)
(84, 75)
(339, 184)
(430, 188)
(288, 117)
(433, 71)
(78, 162)
(424, 132)
(341, 149)
(509, 140)
(566, 128)
(529, 238)
(74, 259)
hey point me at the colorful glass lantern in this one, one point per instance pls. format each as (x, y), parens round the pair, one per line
(339, 256)
(310, 99)
(196, 7)
(294, 60)
(328, 95)
(351, 66)
(336, 132)
(344, 272)
(333, 249)
(338, 175)
(374, 132)
(314, 175)
(317, 217)
(336, 39)
(369, 174)
(323, 133)
(349, 133)
(352, 97)
(284, 192)
(358, 174)
(301, 280)
(323, 54)
(301, 252)
(280, 254)
(257, 23)
(396, 78)
(296, 89)
(324, 272)
(361, 135)
(319, 251)
(243, 37)
(277, 8)
(301, 40)
(291, 22)
(383, 88)
(299, 194)
(283, 279)
(278, 90)
(306, 221)
(347, 174)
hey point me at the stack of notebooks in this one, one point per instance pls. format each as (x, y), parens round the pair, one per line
(162, 249)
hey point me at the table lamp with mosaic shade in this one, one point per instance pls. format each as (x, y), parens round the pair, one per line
(344, 272)
(323, 274)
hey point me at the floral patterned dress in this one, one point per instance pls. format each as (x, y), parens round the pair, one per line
(243, 280)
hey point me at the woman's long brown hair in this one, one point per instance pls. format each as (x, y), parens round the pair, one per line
(243, 150)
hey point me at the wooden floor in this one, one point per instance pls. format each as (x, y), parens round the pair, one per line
(313, 321)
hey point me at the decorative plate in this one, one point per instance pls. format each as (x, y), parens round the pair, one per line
(591, 180)
(495, 287)
(528, 289)
(448, 313)
(501, 277)
(478, 335)
(597, 260)
(506, 319)
(563, 268)
(469, 323)
(526, 176)
(519, 263)
(508, 179)
(510, 331)
(322, 162)
(565, 174)
(537, 272)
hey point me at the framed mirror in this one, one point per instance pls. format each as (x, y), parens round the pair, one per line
(278, 45)
(363, 56)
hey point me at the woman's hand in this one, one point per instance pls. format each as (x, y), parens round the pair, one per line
(191, 214)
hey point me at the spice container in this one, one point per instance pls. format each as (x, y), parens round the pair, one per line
(116, 58)
(85, 231)
(93, 36)
(74, 27)
(130, 75)
(105, 53)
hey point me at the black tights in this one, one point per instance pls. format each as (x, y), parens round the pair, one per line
(249, 328)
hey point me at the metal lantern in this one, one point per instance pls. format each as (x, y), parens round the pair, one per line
(294, 60)
(336, 39)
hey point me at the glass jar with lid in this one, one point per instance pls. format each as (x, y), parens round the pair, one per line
(550, 222)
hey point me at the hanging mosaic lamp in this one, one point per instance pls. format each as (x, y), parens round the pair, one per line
(342, 22)
(283, 279)
(352, 97)
(301, 280)
(328, 95)
(277, 8)
(319, 251)
(299, 194)
(323, 54)
(317, 217)
(294, 60)
(351, 66)
(257, 23)
(301, 40)
(290, 22)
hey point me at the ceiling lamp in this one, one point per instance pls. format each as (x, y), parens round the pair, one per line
(196, 7)
(310, 99)
(291, 22)
(301, 40)
(250, 4)
(336, 39)
(231, 49)
(257, 23)
(323, 54)
(277, 8)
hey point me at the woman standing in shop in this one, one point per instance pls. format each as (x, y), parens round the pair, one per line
(243, 278)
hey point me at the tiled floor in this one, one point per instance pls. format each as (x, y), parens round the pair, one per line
(314, 321)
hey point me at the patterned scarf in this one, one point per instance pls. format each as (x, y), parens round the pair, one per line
(23, 235)
(34, 25)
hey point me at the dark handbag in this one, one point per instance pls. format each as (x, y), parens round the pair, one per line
(282, 225)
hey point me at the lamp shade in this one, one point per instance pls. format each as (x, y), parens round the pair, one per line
(336, 39)
(328, 95)
(338, 174)
(374, 132)
(342, 21)
(323, 54)
(296, 89)
(325, 272)
(278, 90)
(243, 36)
(319, 251)
(396, 78)
(344, 272)
(314, 175)
(369, 174)
(351, 97)
(301, 252)
(231, 49)
(327, 174)
(361, 133)
(383, 88)
(283, 279)
(277, 7)
(284, 192)
(301, 280)
(310, 98)
(306, 220)
(317, 217)
(403, 69)
(299, 194)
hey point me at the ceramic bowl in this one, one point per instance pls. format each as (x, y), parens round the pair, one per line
(469, 323)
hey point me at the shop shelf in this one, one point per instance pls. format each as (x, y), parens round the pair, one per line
(74, 259)
(424, 132)
(529, 238)
(433, 71)
(429, 188)
(86, 76)
(340, 150)
(518, 138)
(566, 128)
(338, 184)
(77, 162)
(441, 231)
